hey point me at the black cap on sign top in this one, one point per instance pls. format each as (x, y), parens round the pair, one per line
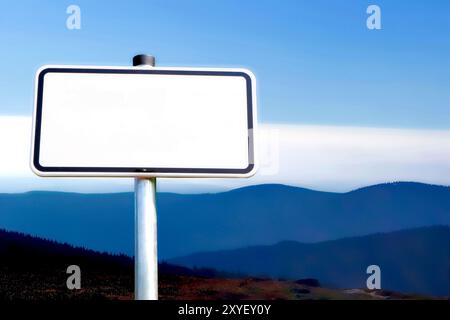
(143, 59)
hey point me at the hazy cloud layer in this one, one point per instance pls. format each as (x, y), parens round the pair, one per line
(319, 157)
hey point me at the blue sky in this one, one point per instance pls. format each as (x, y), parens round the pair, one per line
(316, 62)
(324, 81)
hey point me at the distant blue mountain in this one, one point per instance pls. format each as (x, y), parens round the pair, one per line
(256, 215)
(411, 261)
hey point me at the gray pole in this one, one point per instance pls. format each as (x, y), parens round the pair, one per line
(146, 242)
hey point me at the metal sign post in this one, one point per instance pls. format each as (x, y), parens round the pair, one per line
(146, 239)
(146, 253)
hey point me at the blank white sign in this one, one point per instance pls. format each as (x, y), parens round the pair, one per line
(92, 121)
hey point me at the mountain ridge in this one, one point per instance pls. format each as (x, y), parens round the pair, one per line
(411, 261)
(34, 269)
(255, 186)
(253, 215)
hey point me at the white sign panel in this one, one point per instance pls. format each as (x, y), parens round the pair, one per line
(149, 122)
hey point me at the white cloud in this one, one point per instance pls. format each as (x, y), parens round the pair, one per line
(344, 158)
(15, 136)
(319, 157)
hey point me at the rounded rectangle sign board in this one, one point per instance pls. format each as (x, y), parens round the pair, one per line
(144, 122)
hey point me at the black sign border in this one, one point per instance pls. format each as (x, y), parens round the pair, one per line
(134, 170)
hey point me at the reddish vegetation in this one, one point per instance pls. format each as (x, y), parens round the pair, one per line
(35, 269)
